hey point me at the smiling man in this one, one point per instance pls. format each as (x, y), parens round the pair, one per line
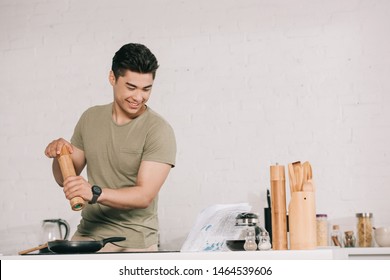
(128, 150)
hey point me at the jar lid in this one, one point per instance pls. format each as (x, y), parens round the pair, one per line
(364, 215)
(336, 227)
(321, 215)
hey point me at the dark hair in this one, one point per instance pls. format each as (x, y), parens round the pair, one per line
(134, 57)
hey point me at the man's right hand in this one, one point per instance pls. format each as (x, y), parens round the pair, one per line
(54, 148)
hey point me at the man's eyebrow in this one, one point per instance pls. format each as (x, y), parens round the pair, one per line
(132, 85)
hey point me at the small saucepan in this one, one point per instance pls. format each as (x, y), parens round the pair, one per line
(74, 247)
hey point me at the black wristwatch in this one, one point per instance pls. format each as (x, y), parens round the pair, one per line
(96, 192)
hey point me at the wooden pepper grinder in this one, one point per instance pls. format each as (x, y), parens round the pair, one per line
(278, 207)
(67, 169)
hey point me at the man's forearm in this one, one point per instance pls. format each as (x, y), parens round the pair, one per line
(57, 172)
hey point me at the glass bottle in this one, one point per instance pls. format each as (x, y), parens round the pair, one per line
(250, 240)
(322, 229)
(364, 229)
(336, 236)
(264, 241)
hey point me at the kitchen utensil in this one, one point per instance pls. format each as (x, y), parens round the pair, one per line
(268, 216)
(307, 171)
(40, 247)
(268, 198)
(298, 171)
(308, 184)
(53, 229)
(278, 207)
(291, 176)
(67, 169)
(74, 247)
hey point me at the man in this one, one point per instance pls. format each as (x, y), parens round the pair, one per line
(128, 150)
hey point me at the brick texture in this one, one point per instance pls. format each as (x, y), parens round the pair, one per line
(245, 84)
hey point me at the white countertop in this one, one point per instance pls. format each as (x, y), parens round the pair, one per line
(328, 253)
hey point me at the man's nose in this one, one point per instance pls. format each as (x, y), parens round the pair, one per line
(138, 96)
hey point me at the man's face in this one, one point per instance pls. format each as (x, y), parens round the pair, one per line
(131, 92)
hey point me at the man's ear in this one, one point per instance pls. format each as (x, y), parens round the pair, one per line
(111, 78)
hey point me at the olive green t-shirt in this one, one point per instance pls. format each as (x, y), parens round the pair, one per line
(114, 154)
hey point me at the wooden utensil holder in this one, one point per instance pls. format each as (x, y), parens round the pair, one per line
(302, 221)
(67, 169)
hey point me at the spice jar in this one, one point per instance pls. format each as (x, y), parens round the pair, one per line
(364, 229)
(264, 241)
(322, 229)
(349, 239)
(250, 240)
(336, 236)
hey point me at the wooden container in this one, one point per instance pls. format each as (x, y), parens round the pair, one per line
(302, 221)
(278, 207)
(67, 169)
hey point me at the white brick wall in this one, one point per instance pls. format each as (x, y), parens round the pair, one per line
(245, 84)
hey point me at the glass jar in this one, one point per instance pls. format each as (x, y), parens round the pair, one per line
(336, 236)
(322, 229)
(364, 229)
(349, 239)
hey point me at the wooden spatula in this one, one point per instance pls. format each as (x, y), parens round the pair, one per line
(308, 185)
(291, 176)
(43, 246)
(298, 171)
(307, 171)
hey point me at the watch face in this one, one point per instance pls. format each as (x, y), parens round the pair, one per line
(96, 190)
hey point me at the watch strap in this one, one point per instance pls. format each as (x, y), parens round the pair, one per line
(95, 195)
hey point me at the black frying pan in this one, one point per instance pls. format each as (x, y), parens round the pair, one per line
(74, 247)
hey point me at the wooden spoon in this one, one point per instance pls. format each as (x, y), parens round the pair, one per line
(43, 246)
(291, 176)
(298, 171)
(308, 186)
(307, 171)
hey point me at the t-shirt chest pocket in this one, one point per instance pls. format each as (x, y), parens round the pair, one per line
(129, 160)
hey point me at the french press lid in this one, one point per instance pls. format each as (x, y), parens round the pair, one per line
(246, 219)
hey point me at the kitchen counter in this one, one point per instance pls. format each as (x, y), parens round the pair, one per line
(328, 253)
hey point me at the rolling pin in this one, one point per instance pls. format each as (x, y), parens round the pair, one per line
(278, 207)
(67, 169)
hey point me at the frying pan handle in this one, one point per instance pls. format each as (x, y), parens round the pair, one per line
(112, 239)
